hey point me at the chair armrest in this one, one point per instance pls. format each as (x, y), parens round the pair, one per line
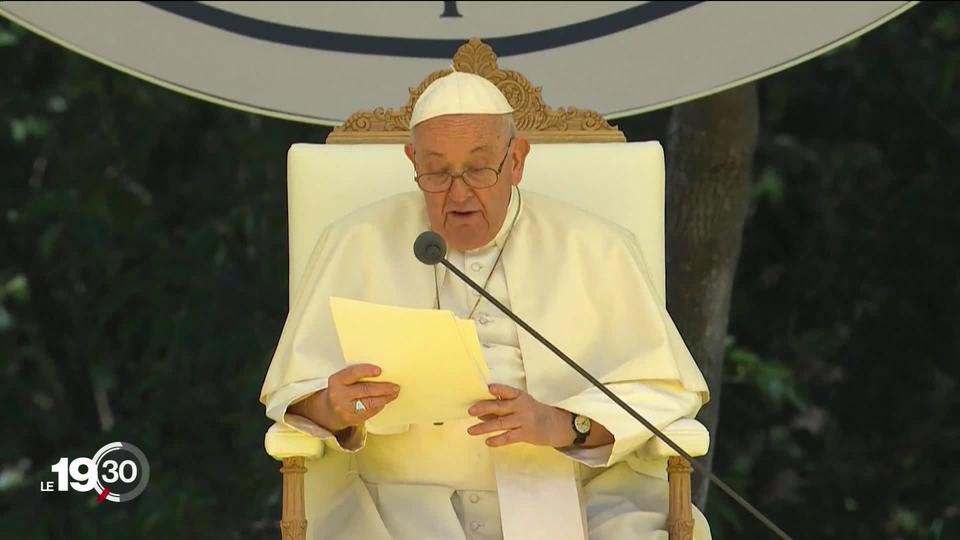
(689, 434)
(283, 442)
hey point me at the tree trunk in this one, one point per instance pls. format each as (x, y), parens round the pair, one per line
(710, 146)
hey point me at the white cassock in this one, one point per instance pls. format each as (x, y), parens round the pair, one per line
(577, 279)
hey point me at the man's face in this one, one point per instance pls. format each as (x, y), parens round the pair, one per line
(467, 217)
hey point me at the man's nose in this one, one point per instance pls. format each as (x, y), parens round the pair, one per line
(459, 190)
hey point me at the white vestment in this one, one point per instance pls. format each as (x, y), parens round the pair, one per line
(581, 282)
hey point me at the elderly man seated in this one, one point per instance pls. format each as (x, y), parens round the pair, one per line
(548, 455)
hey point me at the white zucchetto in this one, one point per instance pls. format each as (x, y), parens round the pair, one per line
(459, 93)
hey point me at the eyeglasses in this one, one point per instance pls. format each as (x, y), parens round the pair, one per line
(484, 177)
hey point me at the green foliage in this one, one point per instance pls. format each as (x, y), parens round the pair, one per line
(143, 275)
(840, 399)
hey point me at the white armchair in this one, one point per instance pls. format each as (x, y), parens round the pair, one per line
(583, 161)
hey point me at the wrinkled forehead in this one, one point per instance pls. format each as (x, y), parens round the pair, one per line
(455, 132)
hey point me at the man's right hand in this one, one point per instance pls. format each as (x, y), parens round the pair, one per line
(335, 405)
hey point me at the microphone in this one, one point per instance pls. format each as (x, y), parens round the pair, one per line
(431, 249)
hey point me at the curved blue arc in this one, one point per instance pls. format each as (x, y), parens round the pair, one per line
(311, 38)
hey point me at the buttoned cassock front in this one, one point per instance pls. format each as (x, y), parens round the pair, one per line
(582, 283)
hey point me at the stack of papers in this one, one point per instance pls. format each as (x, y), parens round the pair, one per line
(433, 355)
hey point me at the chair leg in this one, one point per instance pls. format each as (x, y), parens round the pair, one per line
(293, 522)
(680, 512)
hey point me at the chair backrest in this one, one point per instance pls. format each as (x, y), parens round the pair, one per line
(576, 157)
(621, 182)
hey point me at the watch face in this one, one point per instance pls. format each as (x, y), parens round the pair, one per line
(582, 424)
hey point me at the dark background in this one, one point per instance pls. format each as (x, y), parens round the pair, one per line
(143, 286)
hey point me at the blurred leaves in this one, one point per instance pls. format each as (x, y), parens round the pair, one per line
(15, 289)
(30, 126)
(8, 37)
(142, 290)
(841, 397)
(773, 379)
(769, 185)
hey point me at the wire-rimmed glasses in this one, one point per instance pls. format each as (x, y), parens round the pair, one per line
(479, 178)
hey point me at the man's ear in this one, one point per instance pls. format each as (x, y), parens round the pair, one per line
(408, 150)
(520, 150)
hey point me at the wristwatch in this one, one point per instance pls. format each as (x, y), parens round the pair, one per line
(582, 427)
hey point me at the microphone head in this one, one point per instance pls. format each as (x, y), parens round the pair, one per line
(430, 248)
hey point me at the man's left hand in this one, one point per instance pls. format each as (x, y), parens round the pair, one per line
(522, 419)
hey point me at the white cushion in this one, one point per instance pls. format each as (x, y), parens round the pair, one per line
(283, 442)
(622, 182)
(689, 434)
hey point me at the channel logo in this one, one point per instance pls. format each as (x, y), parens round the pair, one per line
(118, 472)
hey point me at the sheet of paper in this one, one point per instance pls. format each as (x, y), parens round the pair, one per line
(434, 357)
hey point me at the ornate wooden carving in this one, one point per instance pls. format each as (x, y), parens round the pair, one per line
(293, 521)
(680, 512)
(536, 121)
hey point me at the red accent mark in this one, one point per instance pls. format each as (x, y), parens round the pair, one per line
(103, 496)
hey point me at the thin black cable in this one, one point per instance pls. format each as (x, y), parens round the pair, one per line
(603, 388)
